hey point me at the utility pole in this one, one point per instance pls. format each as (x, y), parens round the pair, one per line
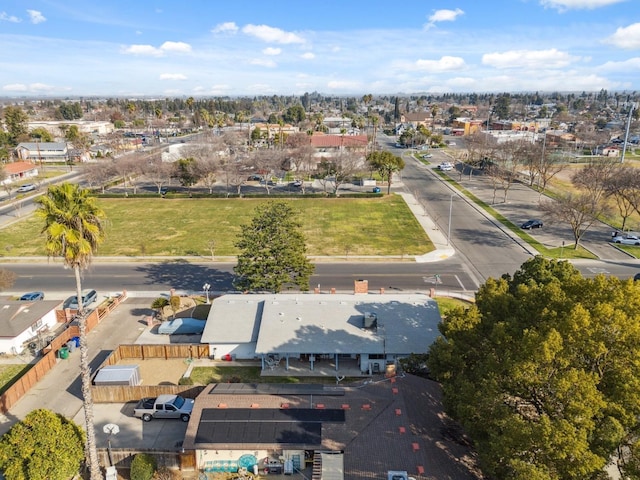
(626, 133)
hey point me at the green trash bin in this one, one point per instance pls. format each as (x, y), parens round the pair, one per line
(63, 353)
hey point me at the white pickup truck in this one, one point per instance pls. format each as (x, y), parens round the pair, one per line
(164, 406)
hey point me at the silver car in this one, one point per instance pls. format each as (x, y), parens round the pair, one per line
(626, 239)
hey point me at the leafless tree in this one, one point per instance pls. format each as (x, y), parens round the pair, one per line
(206, 169)
(267, 163)
(99, 173)
(594, 177)
(580, 211)
(623, 186)
(129, 168)
(159, 172)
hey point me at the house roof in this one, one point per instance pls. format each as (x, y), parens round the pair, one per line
(309, 323)
(391, 424)
(16, 316)
(49, 146)
(19, 167)
(335, 141)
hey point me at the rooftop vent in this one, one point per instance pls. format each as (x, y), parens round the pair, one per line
(370, 320)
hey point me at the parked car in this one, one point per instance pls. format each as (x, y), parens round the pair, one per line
(88, 297)
(428, 155)
(636, 277)
(296, 183)
(626, 239)
(375, 189)
(164, 406)
(182, 326)
(445, 166)
(32, 297)
(27, 187)
(529, 224)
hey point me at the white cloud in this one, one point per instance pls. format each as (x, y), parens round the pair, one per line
(263, 62)
(271, 34)
(343, 85)
(147, 50)
(443, 15)
(40, 87)
(220, 89)
(624, 66)
(308, 56)
(172, 76)
(179, 47)
(462, 82)
(272, 51)
(445, 64)
(33, 87)
(36, 17)
(226, 27)
(564, 5)
(551, 58)
(15, 87)
(5, 17)
(626, 37)
(151, 51)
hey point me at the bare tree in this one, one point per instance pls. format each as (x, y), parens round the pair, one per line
(594, 177)
(623, 186)
(206, 169)
(267, 162)
(129, 167)
(159, 172)
(579, 211)
(99, 173)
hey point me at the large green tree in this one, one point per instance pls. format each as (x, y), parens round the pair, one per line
(386, 164)
(15, 120)
(272, 251)
(543, 373)
(43, 446)
(73, 229)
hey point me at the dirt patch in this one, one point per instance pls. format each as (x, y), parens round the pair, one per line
(158, 371)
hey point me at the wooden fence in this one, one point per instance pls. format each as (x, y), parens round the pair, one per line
(128, 393)
(177, 460)
(50, 353)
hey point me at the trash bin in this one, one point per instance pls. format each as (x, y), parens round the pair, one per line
(76, 341)
(71, 345)
(63, 353)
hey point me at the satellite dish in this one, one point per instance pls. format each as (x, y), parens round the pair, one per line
(111, 429)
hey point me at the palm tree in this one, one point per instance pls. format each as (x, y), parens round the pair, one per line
(73, 226)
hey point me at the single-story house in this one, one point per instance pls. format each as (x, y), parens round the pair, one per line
(369, 332)
(25, 322)
(357, 432)
(17, 171)
(43, 152)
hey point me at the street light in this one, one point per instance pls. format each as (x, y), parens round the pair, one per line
(206, 287)
(450, 210)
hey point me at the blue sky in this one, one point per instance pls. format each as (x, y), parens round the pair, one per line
(288, 47)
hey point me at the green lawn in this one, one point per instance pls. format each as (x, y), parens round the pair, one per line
(10, 373)
(207, 375)
(184, 227)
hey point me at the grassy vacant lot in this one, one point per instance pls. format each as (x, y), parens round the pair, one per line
(183, 227)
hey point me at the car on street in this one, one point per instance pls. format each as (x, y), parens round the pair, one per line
(296, 183)
(27, 187)
(88, 297)
(428, 155)
(32, 297)
(636, 277)
(529, 224)
(626, 239)
(375, 189)
(445, 166)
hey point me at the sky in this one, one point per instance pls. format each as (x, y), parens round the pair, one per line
(134, 48)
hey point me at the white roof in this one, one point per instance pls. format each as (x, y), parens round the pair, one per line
(312, 323)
